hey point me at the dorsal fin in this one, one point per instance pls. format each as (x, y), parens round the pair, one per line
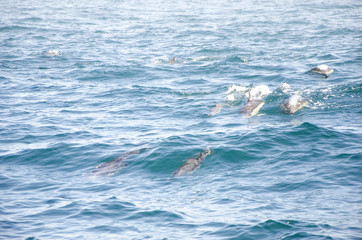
(173, 60)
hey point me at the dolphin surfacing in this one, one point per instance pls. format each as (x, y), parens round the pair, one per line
(191, 164)
(112, 167)
(252, 107)
(323, 70)
(293, 104)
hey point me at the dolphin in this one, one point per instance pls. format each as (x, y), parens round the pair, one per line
(192, 164)
(293, 104)
(173, 60)
(53, 52)
(111, 167)
(323, 70)
(252, 107)
(216, 109)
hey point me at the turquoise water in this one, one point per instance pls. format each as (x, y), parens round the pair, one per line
(85, 81)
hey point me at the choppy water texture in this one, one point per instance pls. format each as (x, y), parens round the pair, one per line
(82, 82)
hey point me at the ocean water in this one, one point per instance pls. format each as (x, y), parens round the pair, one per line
(82, 82)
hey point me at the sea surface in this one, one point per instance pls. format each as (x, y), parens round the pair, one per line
(83, 82)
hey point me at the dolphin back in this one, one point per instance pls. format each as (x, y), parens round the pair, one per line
(187, 168)
(251, 108)
(111, 167)
(192, 164)
(323, 70)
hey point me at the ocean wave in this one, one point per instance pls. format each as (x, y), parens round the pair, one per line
(271, 229)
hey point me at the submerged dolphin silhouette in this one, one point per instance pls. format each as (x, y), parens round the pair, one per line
(216, 109)
(192, 164)
(111, 167)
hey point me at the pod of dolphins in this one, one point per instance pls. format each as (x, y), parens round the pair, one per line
(249, 109)
(290, 106)
(111, 167)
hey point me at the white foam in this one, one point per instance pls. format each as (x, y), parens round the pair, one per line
(285, 87)
(259, 91)
(326, 90)
(316, 105)
(230, 97)
(293, 100)
(53, 52)
(323, 67)
(162, 59)
(200, 58)
(235, 88)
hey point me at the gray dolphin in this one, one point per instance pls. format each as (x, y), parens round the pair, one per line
(192, 164)
(111, 167)
(252, 107)
(216, 109)
(293, 104)
(323, 70)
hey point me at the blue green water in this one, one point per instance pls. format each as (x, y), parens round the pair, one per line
(82, 82)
